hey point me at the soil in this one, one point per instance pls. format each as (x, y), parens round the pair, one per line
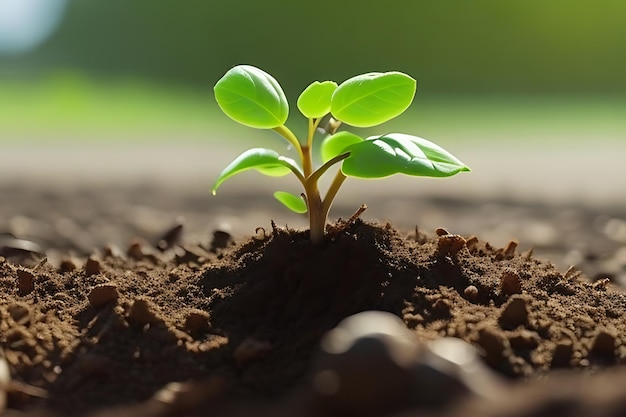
(121, 301)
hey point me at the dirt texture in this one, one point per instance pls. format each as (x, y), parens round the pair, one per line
(112, 305)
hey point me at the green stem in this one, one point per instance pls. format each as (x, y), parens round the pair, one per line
(313, 124)
(307, 150)
(321, 170)
(317, 220)
(307, 161)
(318, 208)
(332, 192)
(291, 138)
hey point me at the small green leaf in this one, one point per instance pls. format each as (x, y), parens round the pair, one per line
(334, 145)
(374, 98)
(314, 102)
(252, 97)
(397, 153)
(291, 201)
(266, 161)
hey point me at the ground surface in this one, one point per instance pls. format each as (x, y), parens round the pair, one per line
(142, 288)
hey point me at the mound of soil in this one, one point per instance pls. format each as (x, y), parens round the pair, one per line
(235, 329)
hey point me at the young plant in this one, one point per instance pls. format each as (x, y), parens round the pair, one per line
(254, 98)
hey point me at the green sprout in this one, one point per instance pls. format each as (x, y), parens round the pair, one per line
(254, 98)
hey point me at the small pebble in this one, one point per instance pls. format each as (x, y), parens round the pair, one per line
(11, 247)
(365, 364)
(471, 292)
(371, 364)
(449, 368)
(510, 283)
(440, 231)
(25, 282)
(101, 295)
(449, 245)
(92, 266)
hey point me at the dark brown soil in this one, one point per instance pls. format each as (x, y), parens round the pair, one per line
(239, 324)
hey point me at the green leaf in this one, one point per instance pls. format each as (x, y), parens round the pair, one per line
(334, 145)
(266, 161)
(252, 97)
(291, 201)
(314, 102)
(397, 153)
(371, 99)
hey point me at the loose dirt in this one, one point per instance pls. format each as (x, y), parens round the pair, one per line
(177, 325)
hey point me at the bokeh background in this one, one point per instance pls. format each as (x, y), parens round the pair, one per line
(531, 94)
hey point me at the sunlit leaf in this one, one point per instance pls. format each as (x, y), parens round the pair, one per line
(291, 201)
(397, 153)
(314, 102)
(252, 97)
(374, 98)
(334, 145)
(266, 161)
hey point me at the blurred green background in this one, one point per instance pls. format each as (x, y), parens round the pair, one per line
(496, 70)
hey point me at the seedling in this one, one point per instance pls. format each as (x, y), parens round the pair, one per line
(254, 98)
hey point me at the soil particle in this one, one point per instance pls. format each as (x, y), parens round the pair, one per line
(92, 266)
(471, 292)
(102, 295)
(514, 313)
(510, 283)
(25, 282)
(142, 312)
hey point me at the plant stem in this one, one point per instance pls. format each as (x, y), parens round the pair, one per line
(317, 218)
(307, 161)
(307, 149)
(321, 170)
(332, 192)
(313, 124)
(291, 138)
(318, 208)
